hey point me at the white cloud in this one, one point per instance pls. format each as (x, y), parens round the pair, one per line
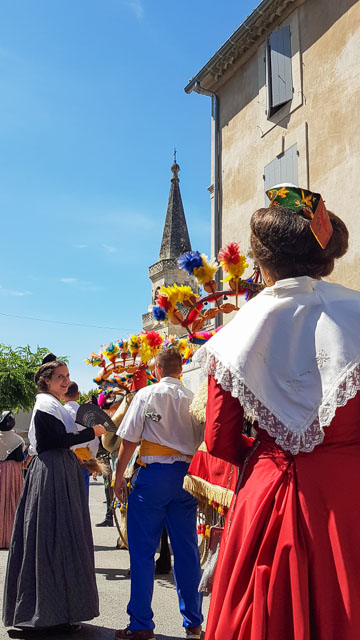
(136, 7)
(10, 292)
(80, 246)
(109, 249)
(68, 280)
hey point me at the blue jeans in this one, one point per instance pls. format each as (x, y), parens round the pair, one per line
(86, 479)
(158, 499)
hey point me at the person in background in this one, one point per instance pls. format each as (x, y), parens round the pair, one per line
(159, 417)
(86, 450)
(50, 576)
(12, 448)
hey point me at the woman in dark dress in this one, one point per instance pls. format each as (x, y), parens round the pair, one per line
(50, 577)
(11, 479)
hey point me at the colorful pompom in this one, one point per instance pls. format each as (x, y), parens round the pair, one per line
(206, 272)
(190, 261)
(159, 313)
(232, 261)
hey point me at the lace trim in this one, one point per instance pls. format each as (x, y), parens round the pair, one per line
(311, 436)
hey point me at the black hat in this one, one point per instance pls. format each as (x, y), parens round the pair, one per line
(7, 421)
(50, 357)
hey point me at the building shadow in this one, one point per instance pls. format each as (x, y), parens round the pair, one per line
(88, 631)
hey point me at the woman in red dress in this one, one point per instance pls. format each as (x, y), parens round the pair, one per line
(289, 562)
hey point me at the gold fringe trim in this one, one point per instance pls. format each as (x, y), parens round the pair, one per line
(201, 489)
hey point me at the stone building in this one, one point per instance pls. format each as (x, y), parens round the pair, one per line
(285, 90)
(175, 241)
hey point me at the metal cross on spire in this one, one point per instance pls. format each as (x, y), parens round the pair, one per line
(174, 155)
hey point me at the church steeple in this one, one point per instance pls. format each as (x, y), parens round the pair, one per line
(175, 239)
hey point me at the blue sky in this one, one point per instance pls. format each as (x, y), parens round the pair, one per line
(92, 105)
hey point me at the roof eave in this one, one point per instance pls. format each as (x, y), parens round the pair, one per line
(249, 32)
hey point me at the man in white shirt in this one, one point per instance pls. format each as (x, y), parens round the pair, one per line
(87, 450)
(159, 417)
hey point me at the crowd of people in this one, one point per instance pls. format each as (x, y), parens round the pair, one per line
(289, 559)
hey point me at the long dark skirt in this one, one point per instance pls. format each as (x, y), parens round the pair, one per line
(50, 577)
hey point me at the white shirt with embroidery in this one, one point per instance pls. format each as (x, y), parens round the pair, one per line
(160, 414)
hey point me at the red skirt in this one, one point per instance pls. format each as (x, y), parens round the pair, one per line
(11, 483)
(289, 564)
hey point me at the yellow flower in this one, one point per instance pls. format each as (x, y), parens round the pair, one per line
(307, 200)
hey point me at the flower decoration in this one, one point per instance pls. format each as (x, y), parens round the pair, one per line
(150, 344)
(198, 265)
(232, 261)
(134, 346)
(168, 297)
(111, 351)
(183, 345)
(96, 360)
(189, 261)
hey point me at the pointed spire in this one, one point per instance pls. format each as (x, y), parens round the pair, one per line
(175, 240)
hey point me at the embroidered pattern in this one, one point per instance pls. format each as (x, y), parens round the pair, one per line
(294, 386)
(322, 358)
(304, 440)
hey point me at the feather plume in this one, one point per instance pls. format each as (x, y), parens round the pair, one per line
(232, 261)
(134, 345)
(159, 313)
(111, 351)
(206, 272)
(176, 294)
(189, 261)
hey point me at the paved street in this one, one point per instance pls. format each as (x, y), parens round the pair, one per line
(114, 584)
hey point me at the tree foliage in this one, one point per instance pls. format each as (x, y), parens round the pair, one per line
(17, 369)
(86, 397)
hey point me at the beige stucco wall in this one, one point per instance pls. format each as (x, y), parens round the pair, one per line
(323, 120)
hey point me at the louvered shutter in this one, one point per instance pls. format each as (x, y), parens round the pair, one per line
(280, 66)
(282, 169)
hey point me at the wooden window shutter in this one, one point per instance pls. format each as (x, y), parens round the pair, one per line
(280, 66)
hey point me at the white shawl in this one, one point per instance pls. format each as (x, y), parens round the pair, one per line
(291, 355)
(9, 441)
(49, 404)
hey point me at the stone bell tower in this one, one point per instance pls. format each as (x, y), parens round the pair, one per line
(175, 241)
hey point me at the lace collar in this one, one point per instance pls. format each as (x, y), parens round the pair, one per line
(292, 356)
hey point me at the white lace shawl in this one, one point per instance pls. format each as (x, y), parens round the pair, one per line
(49, 404)
(291, 356)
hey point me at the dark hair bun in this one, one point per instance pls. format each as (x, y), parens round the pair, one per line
(50, 357)
(283, 242)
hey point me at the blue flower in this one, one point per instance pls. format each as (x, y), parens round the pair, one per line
(189, 261)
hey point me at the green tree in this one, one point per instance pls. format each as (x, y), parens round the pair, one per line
(86, 397)
(17, 368)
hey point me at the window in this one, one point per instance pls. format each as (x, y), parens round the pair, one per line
(284, 168)
(278, 69)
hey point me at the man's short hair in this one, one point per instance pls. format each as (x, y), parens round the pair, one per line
(72, 391)
(170, 361)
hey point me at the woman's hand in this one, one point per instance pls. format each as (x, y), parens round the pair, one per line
(99, 430)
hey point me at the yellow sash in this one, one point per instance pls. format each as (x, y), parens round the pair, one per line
(154, 449)
(83, 453)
